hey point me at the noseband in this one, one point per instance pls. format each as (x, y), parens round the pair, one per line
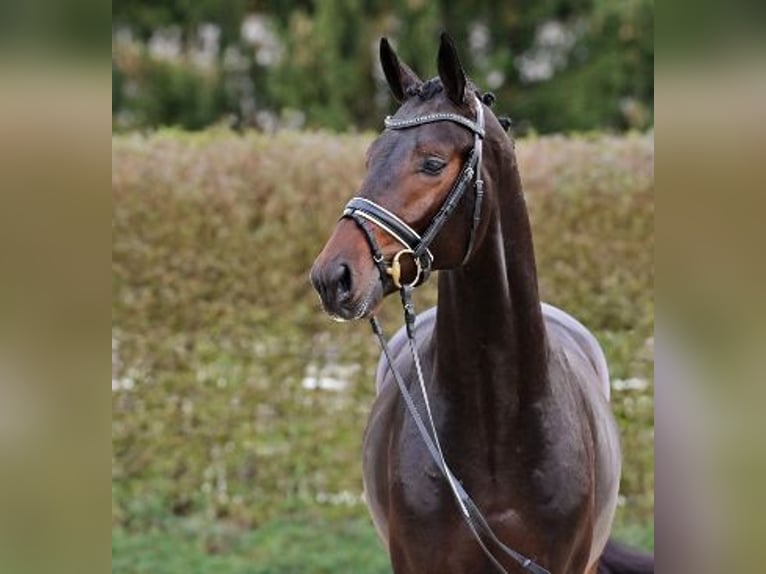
(361, 209)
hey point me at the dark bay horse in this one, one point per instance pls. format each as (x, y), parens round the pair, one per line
(518, 389)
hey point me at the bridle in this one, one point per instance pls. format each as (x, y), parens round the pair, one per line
(362, 211)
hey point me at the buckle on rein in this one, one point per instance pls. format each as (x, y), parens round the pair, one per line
(395, 269)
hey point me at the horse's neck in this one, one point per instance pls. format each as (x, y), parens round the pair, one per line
(491, 349)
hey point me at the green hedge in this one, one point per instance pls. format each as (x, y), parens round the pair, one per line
(215, 326)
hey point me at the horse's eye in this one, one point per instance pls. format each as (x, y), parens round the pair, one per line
(433, 165)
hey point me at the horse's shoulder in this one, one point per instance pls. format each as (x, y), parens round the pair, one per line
(570, 338)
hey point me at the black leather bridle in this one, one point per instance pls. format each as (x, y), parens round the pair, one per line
(361, 211)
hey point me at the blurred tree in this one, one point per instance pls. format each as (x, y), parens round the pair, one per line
(555, 65)
(326, 62)
(145, 17)
(117, 87)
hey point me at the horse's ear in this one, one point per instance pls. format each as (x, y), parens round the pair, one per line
(450, 70)
(399, 76)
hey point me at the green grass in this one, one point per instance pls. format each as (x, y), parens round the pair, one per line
(635, 534)
(306, 545)
(286, 546)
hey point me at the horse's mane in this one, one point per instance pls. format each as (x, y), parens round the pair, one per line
(434, 86)
(426, 90)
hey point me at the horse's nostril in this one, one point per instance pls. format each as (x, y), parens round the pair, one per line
(344, 280)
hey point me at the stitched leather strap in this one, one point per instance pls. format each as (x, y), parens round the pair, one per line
(395, 227)
(475, 127)
(449, 205)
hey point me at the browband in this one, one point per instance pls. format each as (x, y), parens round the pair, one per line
(394, 124)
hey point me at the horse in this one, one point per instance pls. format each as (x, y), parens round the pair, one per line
(517, 391)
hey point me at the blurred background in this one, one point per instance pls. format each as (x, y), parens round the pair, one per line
(559, 65)
(239, 131)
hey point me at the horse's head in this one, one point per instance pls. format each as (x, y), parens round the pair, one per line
(413, 169)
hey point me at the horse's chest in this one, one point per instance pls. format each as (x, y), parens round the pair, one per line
(417, 484)
(551, 489)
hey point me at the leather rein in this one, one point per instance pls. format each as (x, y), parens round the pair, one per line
(415, 245)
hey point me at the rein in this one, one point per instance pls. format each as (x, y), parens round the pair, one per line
(361, 211)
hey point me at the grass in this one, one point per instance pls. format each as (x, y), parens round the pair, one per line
(285, 546)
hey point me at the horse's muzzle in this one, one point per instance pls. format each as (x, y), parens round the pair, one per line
(334, 284)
